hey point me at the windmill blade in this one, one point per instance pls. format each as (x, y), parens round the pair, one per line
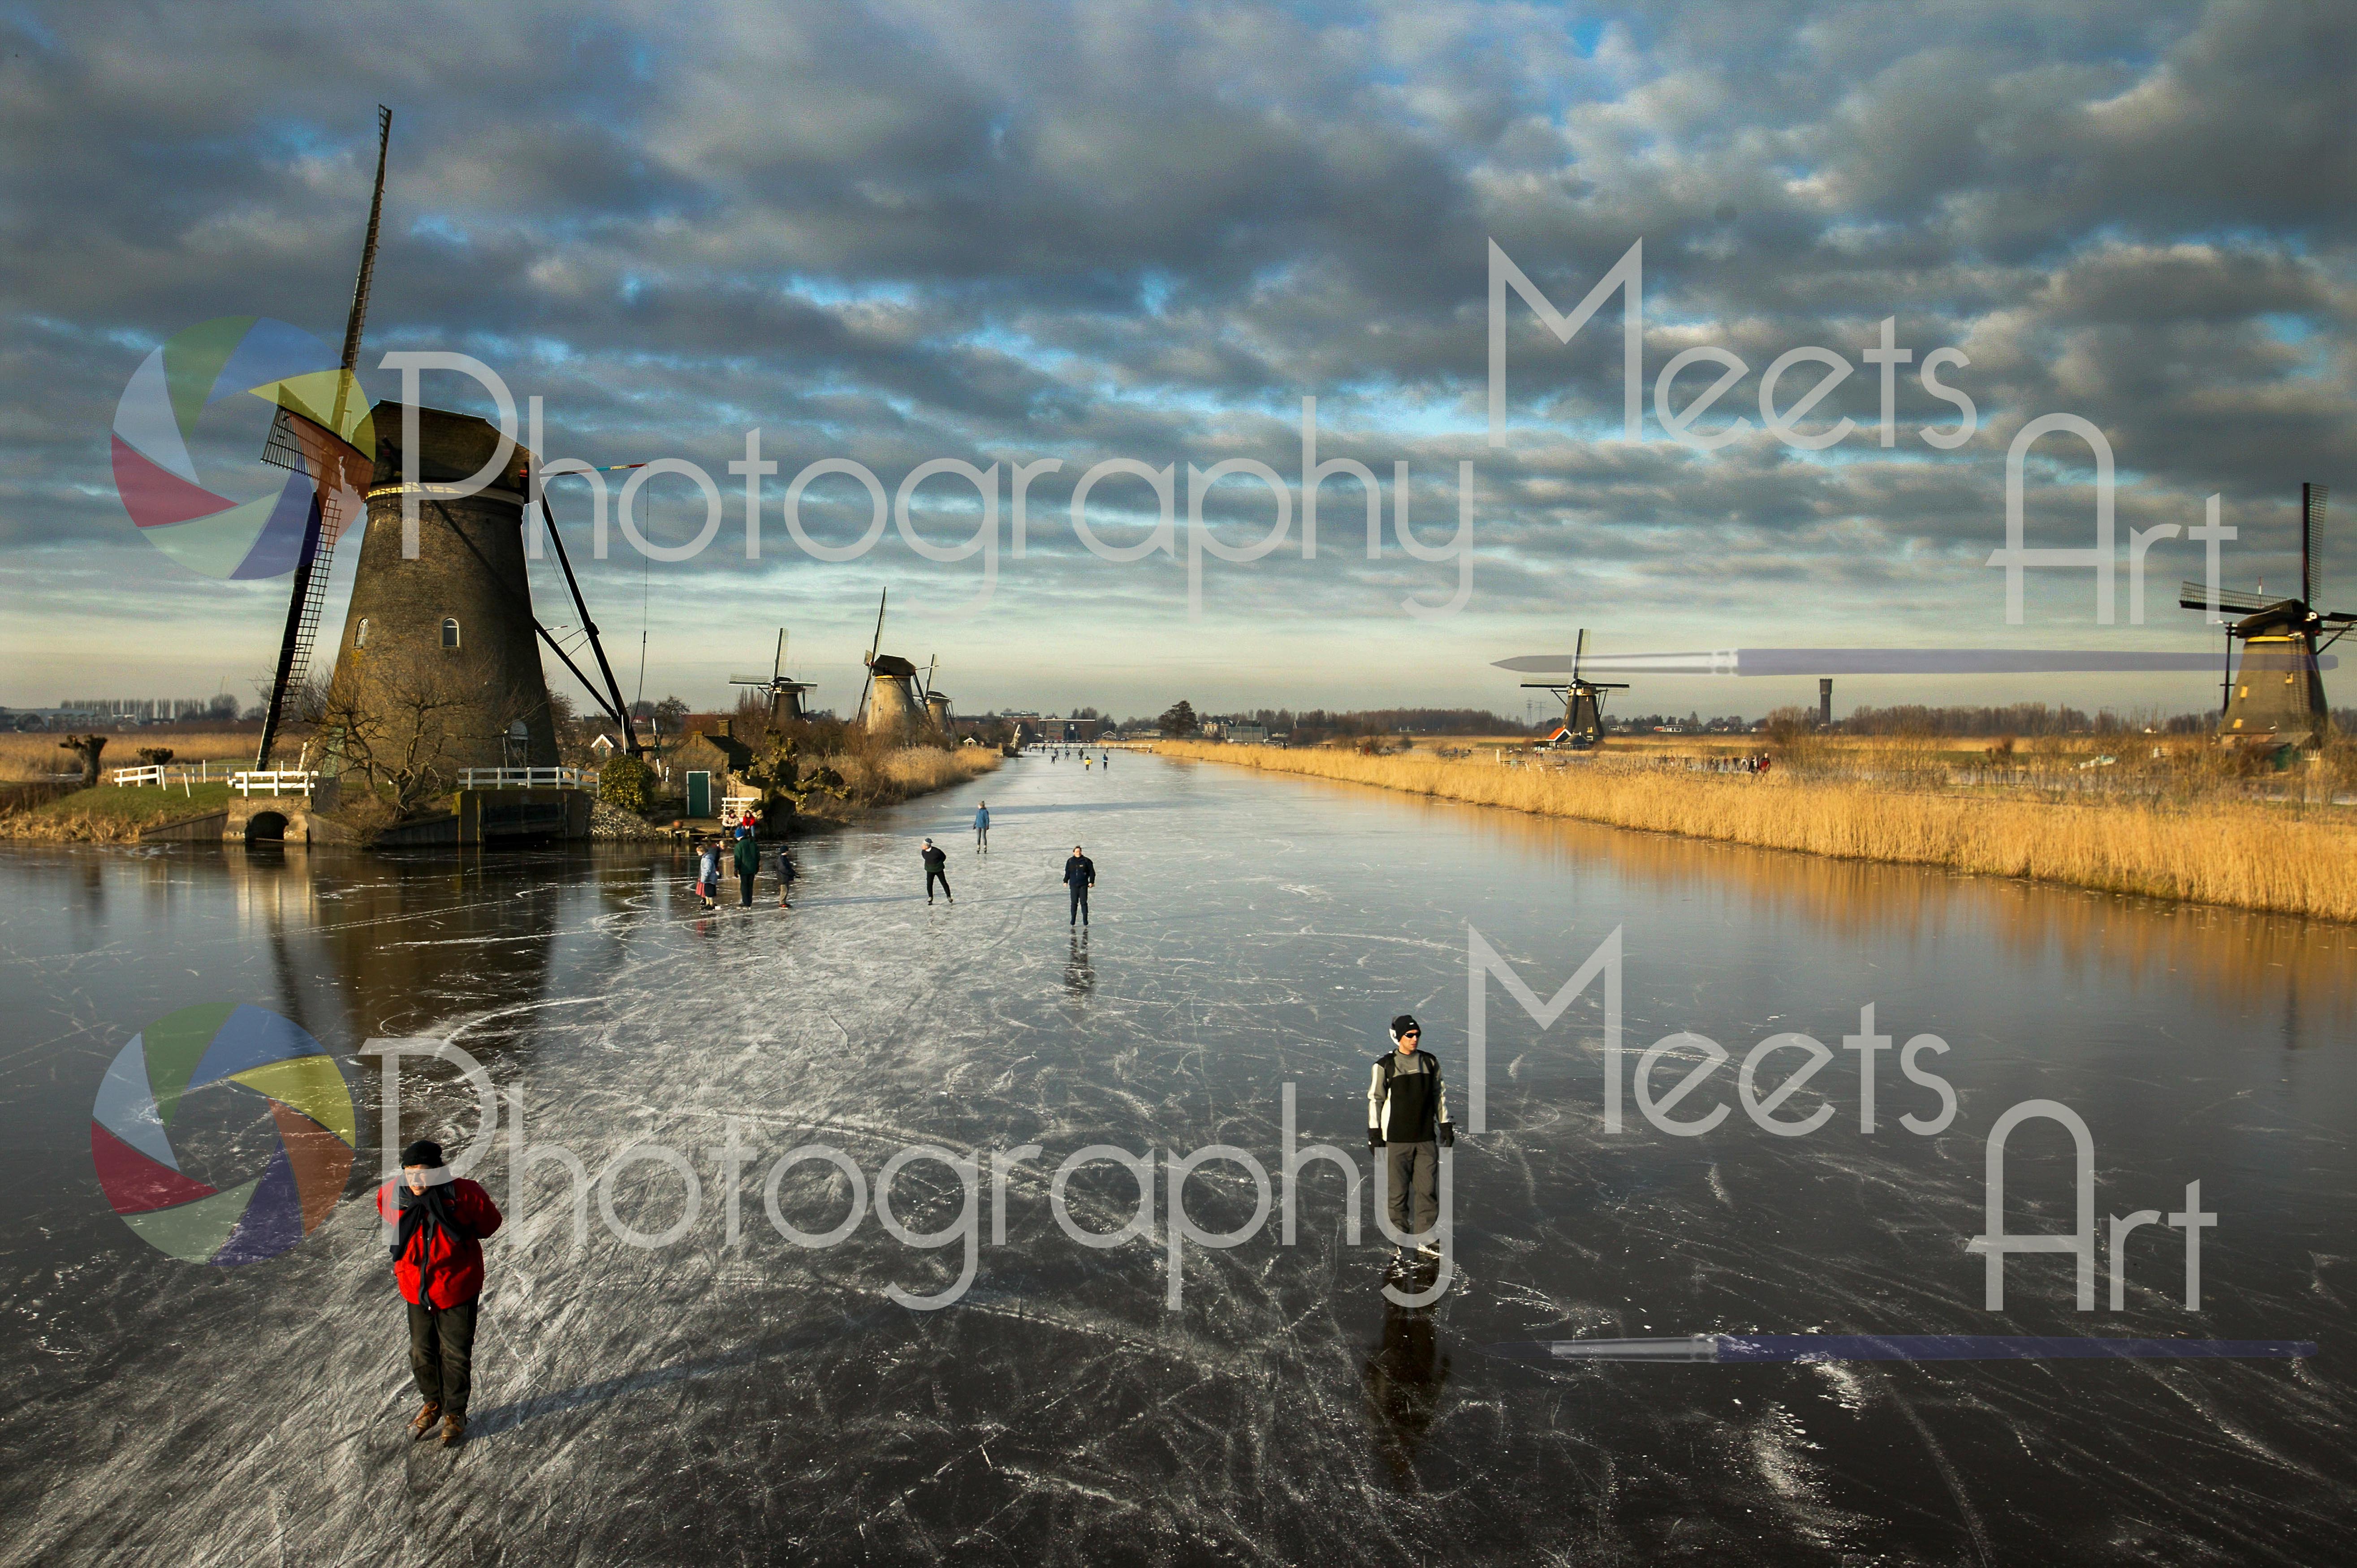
(876, 643)
(304, 604)
(1579, 648)
(2201, 596)
(750, 680)
(778, 665)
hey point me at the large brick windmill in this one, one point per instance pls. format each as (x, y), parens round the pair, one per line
(2275, 696)
(437, 669)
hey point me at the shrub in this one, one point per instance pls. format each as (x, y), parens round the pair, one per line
(627, 782)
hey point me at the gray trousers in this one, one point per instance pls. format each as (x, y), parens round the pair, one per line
(1413, 1168)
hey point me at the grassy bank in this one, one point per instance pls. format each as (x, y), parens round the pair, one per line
(2236, 853)
(108, 815)
(876, 779)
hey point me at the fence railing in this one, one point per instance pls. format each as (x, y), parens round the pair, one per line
(523, 778)
(279, 782)
(151, 774)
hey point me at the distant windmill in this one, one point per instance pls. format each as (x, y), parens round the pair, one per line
(296, 443)
(937, 701)
(1583, 709)
(888, 698)
(785, 695)
(2276, 696)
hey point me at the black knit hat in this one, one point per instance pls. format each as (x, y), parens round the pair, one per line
(1402, 1025)
(425, 1152)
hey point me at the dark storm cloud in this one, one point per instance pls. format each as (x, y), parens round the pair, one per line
(1017, 232)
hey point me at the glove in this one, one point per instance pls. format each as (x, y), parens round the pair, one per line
(1448, 1135)
(1374, 1139)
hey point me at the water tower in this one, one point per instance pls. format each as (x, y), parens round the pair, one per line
(441, 646)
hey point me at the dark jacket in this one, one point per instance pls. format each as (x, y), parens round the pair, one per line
(452, 1264)
(936, 858)
(1080, 871)
(747, 854)
(1405, 1105)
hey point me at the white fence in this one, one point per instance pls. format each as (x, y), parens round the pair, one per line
(523, 778)
(151, 774)
(282, 782)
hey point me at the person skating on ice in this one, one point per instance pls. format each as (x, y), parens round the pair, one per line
(937, 869)
(438, 1263)
(1080, 876)
(981, 828)
(1407, 1124)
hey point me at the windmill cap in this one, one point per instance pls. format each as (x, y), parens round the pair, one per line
(451, 447)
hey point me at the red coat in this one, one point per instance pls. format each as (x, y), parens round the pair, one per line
(458, 1262)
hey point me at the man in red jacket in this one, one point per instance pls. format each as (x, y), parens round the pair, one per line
(437, 1261)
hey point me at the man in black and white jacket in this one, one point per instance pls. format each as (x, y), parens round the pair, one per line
(1407, 1120)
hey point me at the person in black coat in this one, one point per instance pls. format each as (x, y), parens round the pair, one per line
(937, 869)
(1080, 876)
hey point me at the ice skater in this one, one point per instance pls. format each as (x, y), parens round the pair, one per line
(707, 875)
(1407, 1121)
(981, 828)
(786, 874)
(1080, 876)
(937, 869)
(748, 856)
(438, 1262)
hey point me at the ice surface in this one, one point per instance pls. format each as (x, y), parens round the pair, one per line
(759, 1402)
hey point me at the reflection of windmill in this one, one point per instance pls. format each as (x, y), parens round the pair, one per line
(785, 695)
(889, 699)
(2276, 696)
(1583, 709)
(296, 443)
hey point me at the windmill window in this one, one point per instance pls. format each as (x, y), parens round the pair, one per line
(449, 633)
(360, 637)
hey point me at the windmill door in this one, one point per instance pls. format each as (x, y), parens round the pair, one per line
(699, 794)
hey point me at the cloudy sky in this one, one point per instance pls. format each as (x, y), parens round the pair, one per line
(1012, 232)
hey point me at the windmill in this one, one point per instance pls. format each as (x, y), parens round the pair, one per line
(785, 695)
(936, 703)
(299, 443)
(888, 698)
(2276, 695)
(1583, 709)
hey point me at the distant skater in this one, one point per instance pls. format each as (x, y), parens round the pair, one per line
(1407, 1121)
(937, 869)
(786, 874)
(748, 855)
(982, 829)
(438, 1262)
(1080, 876)
(707, 875)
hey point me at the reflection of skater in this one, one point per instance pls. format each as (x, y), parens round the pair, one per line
(937, 869)
(1404, 1374)
(438, 1261)
(748, 856)
(1080, 978)
(1080, 876)
(981, 828)
(1408, 1118)
(786, 874)
(708, 874)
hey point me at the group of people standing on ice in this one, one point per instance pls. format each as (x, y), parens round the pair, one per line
(742, 853)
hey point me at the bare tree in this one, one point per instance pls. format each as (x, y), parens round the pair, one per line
(87, 747)
(404, 739)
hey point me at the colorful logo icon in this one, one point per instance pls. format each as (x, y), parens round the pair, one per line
(325, 443)
(267, 1061)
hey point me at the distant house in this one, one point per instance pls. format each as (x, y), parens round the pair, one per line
(1247, 735)
(603, 749)
(707, 768)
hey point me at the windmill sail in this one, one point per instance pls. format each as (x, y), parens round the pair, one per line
(298, 442)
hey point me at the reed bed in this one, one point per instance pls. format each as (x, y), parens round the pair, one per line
(2241, 853)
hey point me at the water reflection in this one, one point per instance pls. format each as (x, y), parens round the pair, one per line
(1404, 1374)
(2295, 978)
(1080, 975)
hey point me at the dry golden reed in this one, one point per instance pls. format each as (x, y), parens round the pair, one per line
(2245, 854)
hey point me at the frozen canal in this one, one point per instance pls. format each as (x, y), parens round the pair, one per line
(753, 1401)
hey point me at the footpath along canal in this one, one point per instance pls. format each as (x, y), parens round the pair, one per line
(732, 1394)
